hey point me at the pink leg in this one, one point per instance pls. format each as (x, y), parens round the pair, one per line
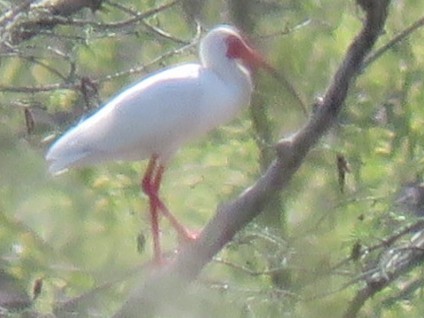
(150, 190)
(181, 230)
(150, 186)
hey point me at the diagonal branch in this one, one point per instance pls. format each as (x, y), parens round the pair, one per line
(166, 284)
(398, 38)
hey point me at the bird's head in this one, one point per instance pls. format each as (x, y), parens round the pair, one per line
(226, 43)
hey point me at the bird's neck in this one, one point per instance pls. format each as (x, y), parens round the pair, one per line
(232, 91)
(237, 76)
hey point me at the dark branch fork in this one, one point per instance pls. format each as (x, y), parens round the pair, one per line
(167, 282)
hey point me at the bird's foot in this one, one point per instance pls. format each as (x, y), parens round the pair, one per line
(188, 236)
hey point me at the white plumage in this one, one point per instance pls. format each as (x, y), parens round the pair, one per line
(161, 112)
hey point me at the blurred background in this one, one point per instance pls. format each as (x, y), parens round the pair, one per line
(72, 244)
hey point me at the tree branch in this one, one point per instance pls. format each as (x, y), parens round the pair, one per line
(17, 31)
(398, 38)
(166, 283)
(46, 15)
(393, 263)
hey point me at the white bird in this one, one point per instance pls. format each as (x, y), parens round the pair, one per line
(158, 114)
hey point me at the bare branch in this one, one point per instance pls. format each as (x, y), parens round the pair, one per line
(19, 31)
(385, 243)
(393, 263)
(398, 38)
(64, 20)
(46, 15)
(150, 28)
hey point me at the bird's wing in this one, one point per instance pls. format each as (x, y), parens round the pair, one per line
(154, 116)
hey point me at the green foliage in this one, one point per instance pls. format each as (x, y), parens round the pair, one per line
(79, 231)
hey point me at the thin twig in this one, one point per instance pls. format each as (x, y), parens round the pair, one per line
(398, 38)
(151, 28)
(112, 26)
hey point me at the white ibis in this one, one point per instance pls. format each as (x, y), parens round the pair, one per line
(158, 114)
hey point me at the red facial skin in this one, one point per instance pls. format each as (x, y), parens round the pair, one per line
(239, 49)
